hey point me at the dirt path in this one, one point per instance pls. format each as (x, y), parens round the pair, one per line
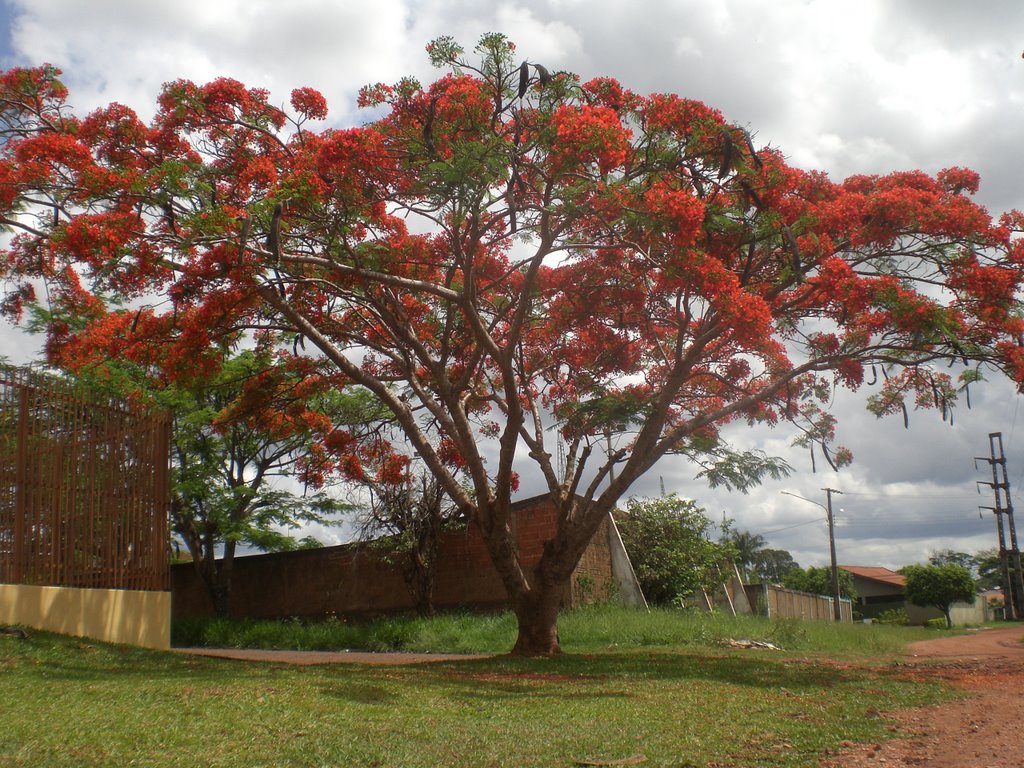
(984, 730)
(306, 658)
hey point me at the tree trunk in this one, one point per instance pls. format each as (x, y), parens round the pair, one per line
(220, 594)
(536, 596)
(418, 575)
(537, 614)
(218, 580)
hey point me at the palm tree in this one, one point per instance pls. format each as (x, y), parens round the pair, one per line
(747, 545)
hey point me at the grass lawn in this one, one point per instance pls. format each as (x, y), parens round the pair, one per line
(67, 702)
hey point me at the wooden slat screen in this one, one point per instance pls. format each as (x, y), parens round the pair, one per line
(84, 494)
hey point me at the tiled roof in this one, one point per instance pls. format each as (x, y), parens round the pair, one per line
(883, 575)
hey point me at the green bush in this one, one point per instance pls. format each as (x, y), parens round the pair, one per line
(787, 632)
(894, 616)
(935, 624)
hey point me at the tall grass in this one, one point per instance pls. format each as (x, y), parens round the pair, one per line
(587, 629)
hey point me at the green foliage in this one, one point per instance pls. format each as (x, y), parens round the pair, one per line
(935, 623)
(223, 470)
(947, 556)
(985, 565)
(444, 50)
(788, 632)
(238, 433)
(989, 568)
(893, 616)
(772, 565)
(740, 470)
(668, 544)
(455, 633)
(938, 586)
(818, 581)
(746, 546)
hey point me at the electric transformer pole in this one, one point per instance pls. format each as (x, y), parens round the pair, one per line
(1009, 559)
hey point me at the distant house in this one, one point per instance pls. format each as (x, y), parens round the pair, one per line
(995, 600)
(879, 589)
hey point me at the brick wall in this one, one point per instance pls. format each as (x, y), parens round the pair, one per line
(350, 580)
(593, 579)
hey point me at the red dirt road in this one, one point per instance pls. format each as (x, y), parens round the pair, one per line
(984, 730)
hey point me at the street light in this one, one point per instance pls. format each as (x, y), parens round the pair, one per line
(836, 605)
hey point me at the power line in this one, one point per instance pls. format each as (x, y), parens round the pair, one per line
(795, 525)
(870, 495)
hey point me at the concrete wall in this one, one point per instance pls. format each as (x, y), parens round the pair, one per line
(771, 600)
(351, 580)
(626, 584)
(961, 614)
(110, 615)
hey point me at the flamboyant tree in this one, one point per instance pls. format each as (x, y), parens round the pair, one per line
(504, 251)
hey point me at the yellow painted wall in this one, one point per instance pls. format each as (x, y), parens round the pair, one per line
(112, 615)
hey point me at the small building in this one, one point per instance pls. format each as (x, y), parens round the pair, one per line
(879, 589)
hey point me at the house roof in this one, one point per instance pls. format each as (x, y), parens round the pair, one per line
(881, 575)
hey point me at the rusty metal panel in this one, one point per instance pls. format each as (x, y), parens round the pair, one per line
(84, 487)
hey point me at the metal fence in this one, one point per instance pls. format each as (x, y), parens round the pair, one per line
(84, 495)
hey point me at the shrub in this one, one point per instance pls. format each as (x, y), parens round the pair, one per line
(895, 616)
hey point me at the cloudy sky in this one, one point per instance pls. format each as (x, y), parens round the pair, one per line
(865, 87)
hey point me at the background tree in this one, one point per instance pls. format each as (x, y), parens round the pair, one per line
(229, 465)
(947, 556)
(938, 586)
(246, 452)
(403, 524)
(669, 545)
(818, 581)
(748, 547)
(989, 569)
(503, 248)
(773, 564)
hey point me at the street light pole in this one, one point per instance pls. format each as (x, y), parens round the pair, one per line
(836, 605)
(837, 612)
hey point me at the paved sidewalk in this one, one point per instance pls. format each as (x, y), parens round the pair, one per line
(327, 657)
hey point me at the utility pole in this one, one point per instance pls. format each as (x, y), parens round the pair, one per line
(1009, 559)
(1004, 563)
(837, 612)
(836, 605)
